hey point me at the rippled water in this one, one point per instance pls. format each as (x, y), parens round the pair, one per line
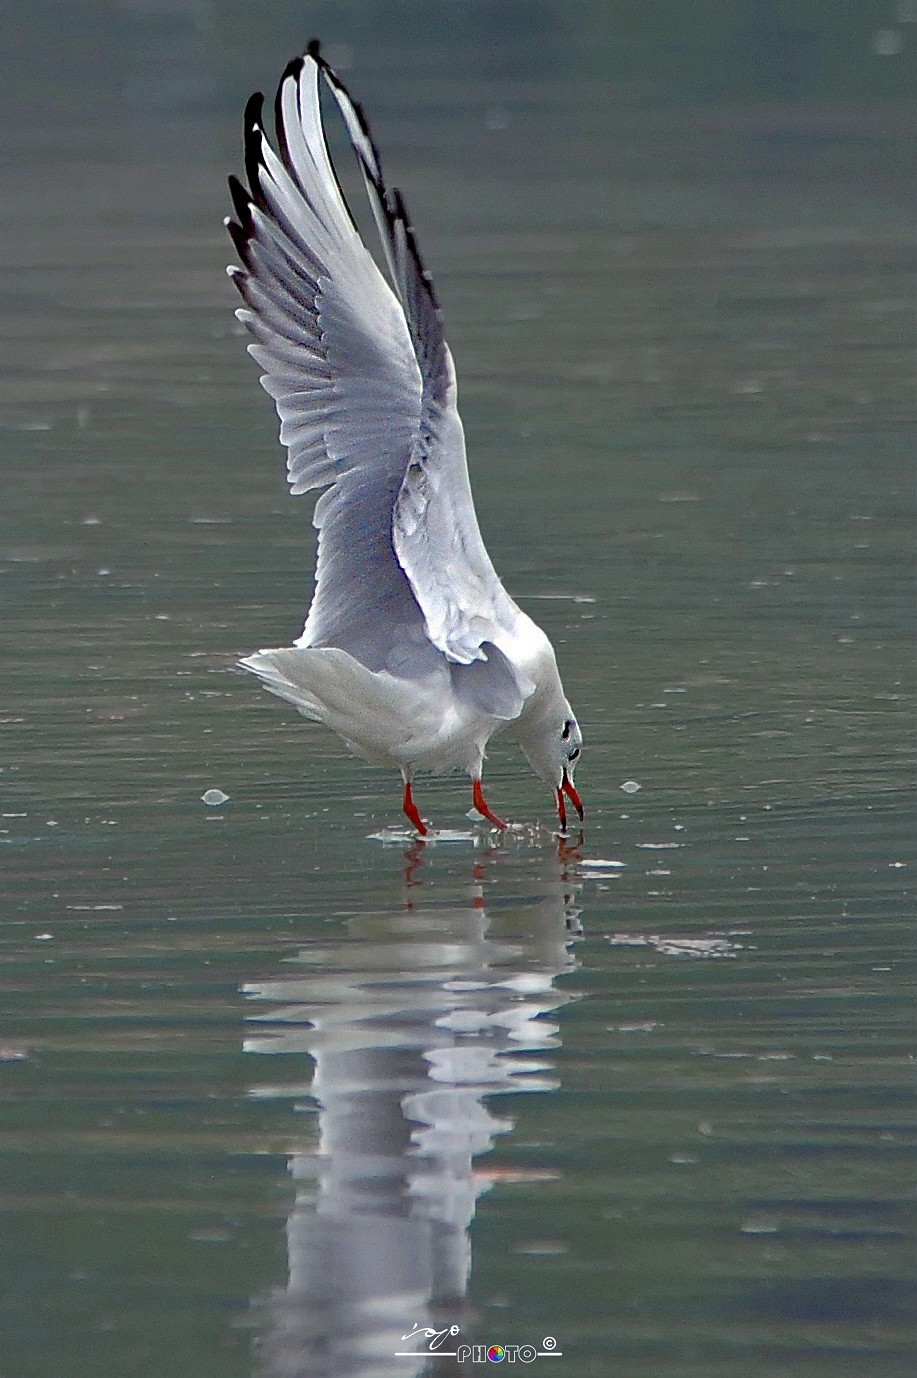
(280, 1087)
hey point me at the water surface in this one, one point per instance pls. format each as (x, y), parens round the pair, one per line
(276, 1092)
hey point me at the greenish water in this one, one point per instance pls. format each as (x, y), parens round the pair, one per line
(274, 1092)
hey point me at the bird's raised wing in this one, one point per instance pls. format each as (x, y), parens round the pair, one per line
(364, 387)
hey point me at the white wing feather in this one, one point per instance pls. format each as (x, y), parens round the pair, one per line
(364, 386)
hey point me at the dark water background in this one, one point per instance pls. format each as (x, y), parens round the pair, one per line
(262, 1075)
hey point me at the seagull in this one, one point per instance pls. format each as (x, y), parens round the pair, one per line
(412, 652)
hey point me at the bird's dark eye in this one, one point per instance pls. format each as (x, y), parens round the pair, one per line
(568, 728)
(573, 754)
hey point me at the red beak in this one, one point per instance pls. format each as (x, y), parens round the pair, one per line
(568, 788)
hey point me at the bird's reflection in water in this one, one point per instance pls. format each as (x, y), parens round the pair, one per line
(412, 1019)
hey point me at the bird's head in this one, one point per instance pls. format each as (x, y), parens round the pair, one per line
(553, 745)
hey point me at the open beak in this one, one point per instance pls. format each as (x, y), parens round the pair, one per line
(568, 788)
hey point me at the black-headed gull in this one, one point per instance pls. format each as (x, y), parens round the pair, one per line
(412, 651)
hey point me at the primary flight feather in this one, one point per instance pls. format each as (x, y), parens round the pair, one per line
(412, 651)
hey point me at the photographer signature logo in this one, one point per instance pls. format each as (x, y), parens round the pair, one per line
(439, 1341)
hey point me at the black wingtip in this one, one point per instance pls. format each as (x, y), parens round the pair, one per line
(401, 213)
(241, 238)
(240, 201)
(253, 123)
(314, 50)
(292, 69)
(253, 108)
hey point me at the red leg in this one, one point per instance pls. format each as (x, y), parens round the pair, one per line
(483, 807)
(412, 810)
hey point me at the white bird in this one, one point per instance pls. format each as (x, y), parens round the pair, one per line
(412, 652)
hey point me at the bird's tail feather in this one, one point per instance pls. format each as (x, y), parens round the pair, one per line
(279, 676)
(370, 710)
